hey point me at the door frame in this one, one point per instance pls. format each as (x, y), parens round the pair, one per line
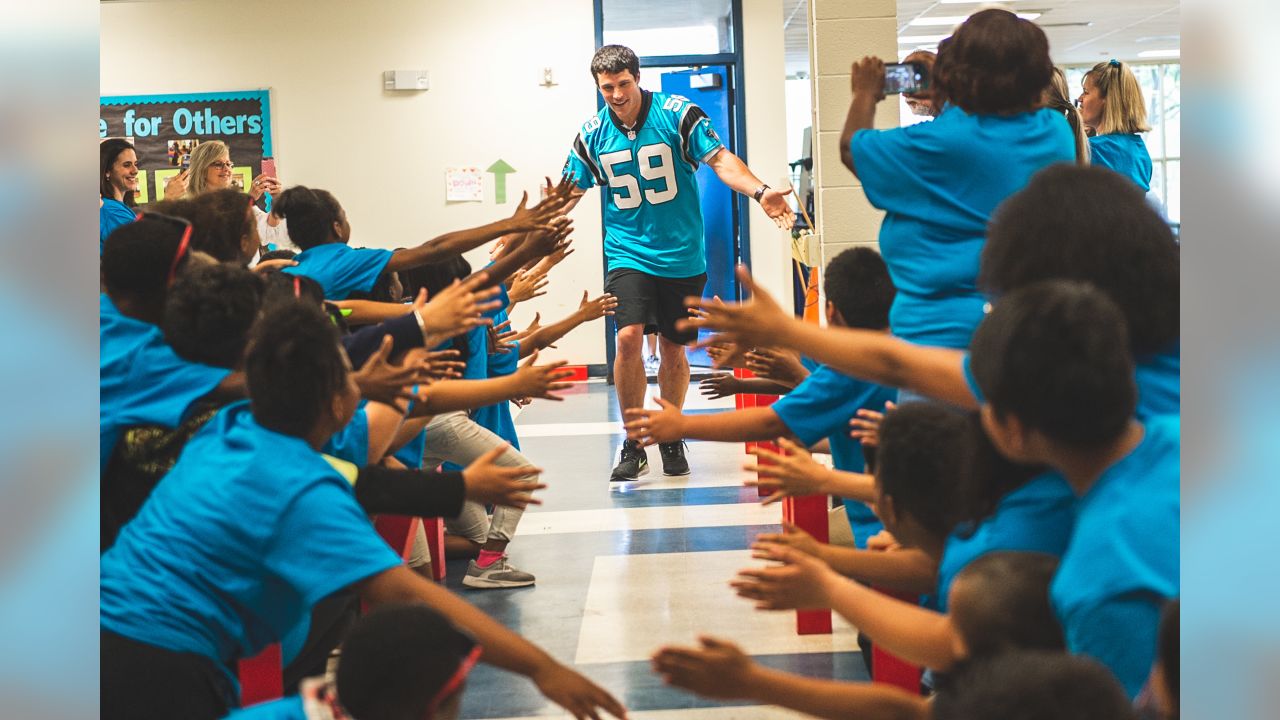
(737, 127)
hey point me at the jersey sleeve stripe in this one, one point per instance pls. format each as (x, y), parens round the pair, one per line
(688, 121)
(580, 149)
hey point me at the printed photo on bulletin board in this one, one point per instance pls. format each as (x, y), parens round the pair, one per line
(166, 128)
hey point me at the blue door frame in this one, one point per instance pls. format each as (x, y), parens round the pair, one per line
(737, 142)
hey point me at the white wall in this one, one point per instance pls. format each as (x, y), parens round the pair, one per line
(384, 154)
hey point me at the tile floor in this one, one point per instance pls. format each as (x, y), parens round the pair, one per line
(623, 569)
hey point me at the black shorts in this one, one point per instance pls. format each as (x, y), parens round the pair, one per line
(652, 301)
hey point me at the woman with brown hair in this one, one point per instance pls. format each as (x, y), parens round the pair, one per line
(939, 182)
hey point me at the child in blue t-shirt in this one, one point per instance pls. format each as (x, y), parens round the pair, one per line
(1058, 389)
(251, 529)
(318, 225)
(859, 294)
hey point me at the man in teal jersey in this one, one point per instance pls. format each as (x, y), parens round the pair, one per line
(645, 148)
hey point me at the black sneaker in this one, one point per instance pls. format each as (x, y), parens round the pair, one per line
(673, 459)
(634, 463)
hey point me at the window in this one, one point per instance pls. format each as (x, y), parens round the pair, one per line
(691, 27)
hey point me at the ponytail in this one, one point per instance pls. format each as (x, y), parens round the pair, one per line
(1125, 110)
(1058, 98)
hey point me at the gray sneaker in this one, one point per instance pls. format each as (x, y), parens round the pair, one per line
(498, 575)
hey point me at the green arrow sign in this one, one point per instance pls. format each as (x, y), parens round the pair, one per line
(500, 170)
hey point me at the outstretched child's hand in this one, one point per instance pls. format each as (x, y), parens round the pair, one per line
(597, 308)
(866, 426)
(573, 692)
(718, 386)
(650, 427)
(802, 582)
(792, 537)
(717, 669)
(488, 483)
(539, 381)
(791, 475)
(778, 365)
(758, 321)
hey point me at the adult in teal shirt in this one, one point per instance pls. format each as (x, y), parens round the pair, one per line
(118, 182)
(1112, 107)
(643, 149)
(939, 182)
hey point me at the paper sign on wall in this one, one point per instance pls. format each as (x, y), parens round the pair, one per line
(465, 184)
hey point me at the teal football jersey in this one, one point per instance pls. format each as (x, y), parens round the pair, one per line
(652, 212)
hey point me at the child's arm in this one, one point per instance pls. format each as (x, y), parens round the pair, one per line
(909, 570)
(502, 647)
(537, 381)
(796, 473)
(668, 424)
(908, 631)
(866, 354)
(588, 310)
(719, 669)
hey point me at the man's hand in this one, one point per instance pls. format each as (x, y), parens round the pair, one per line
(792, 474)
(599, 307)
(382, 382)
(867, 78)
(866, 426)
(573, 692)
(776, 364)
(457, 308)
(718, 669)
(802, 582)
(491, 484)
(650, 427)
(539, 381)
(775, 205)
(758, 321)
(719, 385)
(792, 537)
(176, 186)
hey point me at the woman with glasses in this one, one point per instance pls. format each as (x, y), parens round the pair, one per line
(212, 169)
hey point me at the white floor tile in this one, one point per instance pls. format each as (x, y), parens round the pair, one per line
(649, 518)
(638, 603)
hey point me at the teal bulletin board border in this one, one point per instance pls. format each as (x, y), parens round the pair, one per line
(263, 97)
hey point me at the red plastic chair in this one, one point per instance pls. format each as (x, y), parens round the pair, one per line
(261, 677)
(890, 669)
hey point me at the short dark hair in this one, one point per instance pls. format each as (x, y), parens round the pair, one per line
(108, 151)
(1092, 225)
(311, 214)
(1011, 609)
(281, 254)
(995, 64)
(1055, 355)
(294, 367)
(985, 479)
(614, 59)
(219, 220)
(137, 257)
(1032, 685)
(209, 312)
(858, 284)
(396, 659)
(435, 277)
(921, 446)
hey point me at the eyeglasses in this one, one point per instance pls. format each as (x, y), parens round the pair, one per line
(183, 244)
(222, 165)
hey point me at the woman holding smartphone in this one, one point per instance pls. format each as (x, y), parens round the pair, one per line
(211, 169)
(939, 182)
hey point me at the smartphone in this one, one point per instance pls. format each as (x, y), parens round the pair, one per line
(185, 162)
(905, 78)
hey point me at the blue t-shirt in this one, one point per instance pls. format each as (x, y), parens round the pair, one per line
(1158, 378)
(289, 708)
(142, 381)
(938, 183)
(341, 269)
(112, 215)
(497, 417)
(1037, 517)
(412, 452)
(652, 212)
(1122, 563)
(249, 530)
(351, 443)
(1125, 153)
(821, 407)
